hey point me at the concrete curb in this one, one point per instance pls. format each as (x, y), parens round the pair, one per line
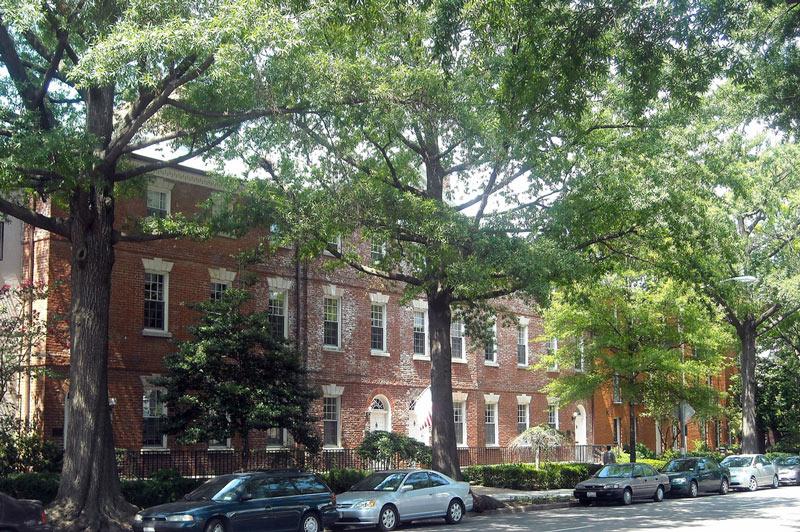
(526, 508)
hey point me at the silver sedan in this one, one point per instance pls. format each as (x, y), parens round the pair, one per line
(750, 471)
(387, 498)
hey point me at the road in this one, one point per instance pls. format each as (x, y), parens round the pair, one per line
(766, 510)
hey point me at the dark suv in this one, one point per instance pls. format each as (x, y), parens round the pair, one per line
(261, 500)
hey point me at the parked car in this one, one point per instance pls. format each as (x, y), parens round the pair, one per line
(22, 515)
(788, 469)
(690, 476)
(749, 471)
(268, 500)
(623, 482)
(388, 498)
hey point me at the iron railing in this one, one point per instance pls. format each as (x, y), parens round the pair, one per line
(209, 463)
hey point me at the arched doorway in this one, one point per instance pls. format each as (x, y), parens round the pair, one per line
(380, 414)
(580, 425)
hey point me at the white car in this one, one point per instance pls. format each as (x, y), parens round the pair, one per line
(387, 498)
(749, 471)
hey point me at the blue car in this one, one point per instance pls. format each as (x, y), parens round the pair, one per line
(264, 500)
(691, 476)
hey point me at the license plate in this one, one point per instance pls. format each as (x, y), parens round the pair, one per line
(588, 494)
(149, 529)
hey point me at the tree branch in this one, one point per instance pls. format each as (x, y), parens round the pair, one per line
(53, 225)
(119, 236)
(374, 272)
(776, 322)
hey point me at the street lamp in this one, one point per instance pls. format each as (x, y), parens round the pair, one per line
(746, 279)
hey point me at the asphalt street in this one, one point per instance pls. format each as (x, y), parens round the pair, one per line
(766, 510)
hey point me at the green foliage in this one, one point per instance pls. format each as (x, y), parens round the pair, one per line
(529, 477)
(165, 485)
(778, 385)
(642, 451)
(27, 451)
(234, 376)
(40, 486)
(387, 447)
(540, 438)
(341, 480)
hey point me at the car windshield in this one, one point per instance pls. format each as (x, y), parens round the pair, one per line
(615, 471)
(737, 461)
(224, 488)
(787, 460)
(678, 466)
(380, 482)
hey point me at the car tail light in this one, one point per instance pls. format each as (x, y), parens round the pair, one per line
(44, 518)
(333, 499)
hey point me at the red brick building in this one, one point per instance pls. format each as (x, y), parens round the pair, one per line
(366, 350)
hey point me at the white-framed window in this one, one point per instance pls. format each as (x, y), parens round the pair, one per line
(552, 351)
(276, 437)
(153, 411)
(420, 334)
(156, 297)
(580, 356)
(490, 424)
(219, 444)
(522, 344)
(457, 343)
(617, 428)
(523, 418)
(159, 198)
(221, 280)
(552, 412)
(335, 243)
(217, 289)
(460, 419)
(377, 251)
(276, 312)
(490, 348)
(616, 396)
(332, 334)
(332, 415)
(378, 324)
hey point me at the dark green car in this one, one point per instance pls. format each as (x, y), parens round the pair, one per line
(253, 501)
(691, 476)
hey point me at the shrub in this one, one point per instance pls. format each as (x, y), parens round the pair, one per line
(165, 485)
(785, 446)
(341, 480)
(22, 452)
(527, 477)
(40, 486)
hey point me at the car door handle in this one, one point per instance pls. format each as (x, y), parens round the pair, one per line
(268, 507)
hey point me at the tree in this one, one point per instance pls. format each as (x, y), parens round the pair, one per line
(445, 134)
(540, 438)
(642, 337)
(235, 377)
(85, 84)
(778, 381)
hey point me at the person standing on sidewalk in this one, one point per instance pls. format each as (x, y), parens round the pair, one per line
(608, 456)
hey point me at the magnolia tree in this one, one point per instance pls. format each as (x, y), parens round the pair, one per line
(540, 438)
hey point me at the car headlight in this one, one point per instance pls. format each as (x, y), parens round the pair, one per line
(180, 517)
(679, 480)
(365, 504)
(612, 486)
(137, 517)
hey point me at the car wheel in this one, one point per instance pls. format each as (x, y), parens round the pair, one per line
(775, 482)
(658, 496)
(627, 497)
(310, 523)
(388, 518)
(723, 488)
(455, 512)
(753, 485)
(693, 489)
(215, 525)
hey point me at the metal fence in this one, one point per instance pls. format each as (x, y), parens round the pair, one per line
(209, 463)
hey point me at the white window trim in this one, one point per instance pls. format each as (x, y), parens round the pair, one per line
(338, 241)
(225, 447)
(554, 342)
(222, 276)
(335, 391)
(161, 185)
(332, 292)
(421, 306)
(285, 435)
(147, 385)
(523, 324)
(527, 415)
(493, 362)
(462, 360)
(381, 300)
(158, 266)
(382, 251)
(553, 402)
(461, 398)
(616, 396)
(279, 284)
(490, 401)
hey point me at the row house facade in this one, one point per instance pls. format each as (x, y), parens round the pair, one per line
(365, 348)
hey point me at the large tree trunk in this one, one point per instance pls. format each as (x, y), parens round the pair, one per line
(750, 433)
(632, 421)
(89, 495)
(443, 439)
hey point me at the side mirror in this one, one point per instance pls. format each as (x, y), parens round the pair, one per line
(406, 487)
(246, 496)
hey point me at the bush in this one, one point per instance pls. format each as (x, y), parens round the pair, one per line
(166, 485)
(527, 477)
(642, 451)
(40, 486)
(785, 446)
(341, 480)
(24, 452)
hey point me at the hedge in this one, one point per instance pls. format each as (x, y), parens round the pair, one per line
(341, 480)
(527, 477)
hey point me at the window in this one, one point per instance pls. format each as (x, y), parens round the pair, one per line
(457, 339)
(490, 349)
(378, 327)
(552, 415)
(552, 351)
(335, 244)
(330, 420)
(153, 411)
(580, 359)
(437, 480)
(523, 418)
(617, 427)
(522, 345)
(459, 417)
(217, 289)
(616, 396)
(420, 334)
(157, 202)
(377, 251)
(490, 420)
(219, 444)
(332, 332)
(276, 312)
(155, 301)
(276, 437)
